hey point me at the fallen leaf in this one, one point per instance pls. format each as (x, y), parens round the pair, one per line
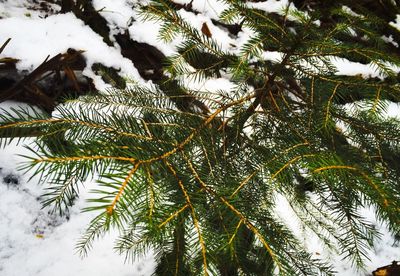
(205, 30)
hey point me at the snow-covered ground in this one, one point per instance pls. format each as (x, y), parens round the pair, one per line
(36, 243)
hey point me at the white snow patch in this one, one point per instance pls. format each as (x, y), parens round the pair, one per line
(23, 8)
(148, 32)
(36, 243)
(32, 40)
(396, 22)
(389, 39)
(210, 8)
(117, 12)
(394, 110)
(347, 10)
(273, 56)
(270, 5)
(210, 84)
(349, 68)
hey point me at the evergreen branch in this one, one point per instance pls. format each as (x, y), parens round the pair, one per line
(334, 167)
(30, 123)
(242, 217)
(329, 104)
(252, 17)
(64, 193)
(245, 181)
(385, 201)
(195, 221)
(316, 223)
(206, 155)
(83, 158)
(174, 215)
(249, 177)
(377, 99)
(360, 252)
(105, 128)
(252, 228)
(131, 173)
(205, 123)
(362, 83)
(165, 11)
(235, 232)
(97, 227)
(291, 161)
(152, 192)
(71, 121)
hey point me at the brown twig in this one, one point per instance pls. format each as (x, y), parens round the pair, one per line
(4, 45)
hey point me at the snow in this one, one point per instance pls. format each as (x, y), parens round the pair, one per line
(346, 9)
(396, 23)
(270, 5)
(384, 252)
(210, 8)
(393, 110)
(273, 56)
(147, 32)
(349, 68)
(34, 242)
(21, 8)
(117, 12)
(211, 85)
(54, 35)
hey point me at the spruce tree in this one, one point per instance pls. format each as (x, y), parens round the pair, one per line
(195, 176)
